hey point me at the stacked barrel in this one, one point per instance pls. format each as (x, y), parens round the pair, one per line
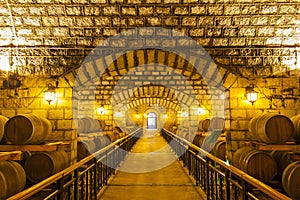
(205, 136)
(95, 135)
(25, 129)
(270, 129)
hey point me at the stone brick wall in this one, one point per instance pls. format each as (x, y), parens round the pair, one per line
(251, 41)
(30, 99)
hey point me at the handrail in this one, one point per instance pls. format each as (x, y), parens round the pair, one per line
(52, 179)
(239, 173)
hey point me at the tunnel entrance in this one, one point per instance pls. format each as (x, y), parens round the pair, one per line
(152, 121)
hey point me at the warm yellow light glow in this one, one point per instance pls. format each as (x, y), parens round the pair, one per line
(165, 116)
(4, 63)
(101, 110)
(200, 111)
(184, 114)
(138, 116)
(49, 96)
(252, 97)
(118, 114)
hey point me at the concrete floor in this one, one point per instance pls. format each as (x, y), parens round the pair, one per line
(151, 171)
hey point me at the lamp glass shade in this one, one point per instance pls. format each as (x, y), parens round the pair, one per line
(101, 110)
(49, 96)
(252, 96)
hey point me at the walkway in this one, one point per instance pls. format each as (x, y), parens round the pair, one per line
(151, 172)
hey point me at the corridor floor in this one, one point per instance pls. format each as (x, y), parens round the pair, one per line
(151, 172)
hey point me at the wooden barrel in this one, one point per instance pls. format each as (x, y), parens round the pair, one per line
(113, 136)
(282, 159)
(12, 178)
(252, 128)
(27, 129)
(290, 180)
(101, 141)
(296, 121)
(220, 149)
(204, 125)
(198, 140)
(41, 165)
(85, 148)
(272, 128)
(217, 123)
(3, 121)
(88, 125)
(256, 163)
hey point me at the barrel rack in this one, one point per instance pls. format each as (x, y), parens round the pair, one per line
(12, 155)
(53, 146)
(291, 147)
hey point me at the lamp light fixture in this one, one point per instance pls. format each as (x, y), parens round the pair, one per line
(251, 94)
(101, 110)
(49, 94)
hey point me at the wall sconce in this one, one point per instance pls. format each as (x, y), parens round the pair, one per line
(199, 110)
(100, 110)
(250, 94)
(49, 94)
(165, 116)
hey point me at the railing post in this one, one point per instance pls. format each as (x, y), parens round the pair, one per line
(61, 189)
(76, 182)
(244, 190)
(227, 185)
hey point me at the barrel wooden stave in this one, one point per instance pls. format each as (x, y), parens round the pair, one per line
(256, 163)
(282, 159)
(296, 121)
(50, 163)
(3, 121)
(272, 128)
(220, 149)
(12, 178)
(290, 180)
(217, 123)
(27, 129)
(204, 125)
(85, 148)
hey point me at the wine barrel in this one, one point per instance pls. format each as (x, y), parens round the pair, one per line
(252, 128)
(113, 136)
(282, 159)
(12, 178)
(101, 141)
(256, 163)
(85, 148)
(3, 121)
(27, 129)
(290, 180)
(217, 123)
(296, 121)
(204, 125)
(272, 128)
(220, 149)
(41, 165)
(88, 125)
(198, 140)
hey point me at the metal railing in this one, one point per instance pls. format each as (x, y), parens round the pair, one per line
(218, 179)
(84, 179)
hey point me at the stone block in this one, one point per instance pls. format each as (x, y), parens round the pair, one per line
(198, 10)
(129, 11)
(181, 10)
(250, 9)
(288, 9)
(64, 124)
(259, 21)
(110, 10)
(56, 114)
(50, 21)
(74, 10)
(189, 21)
(215, 9)
(146, 10)
(163, 10)
(232, 10)
(269, 9)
